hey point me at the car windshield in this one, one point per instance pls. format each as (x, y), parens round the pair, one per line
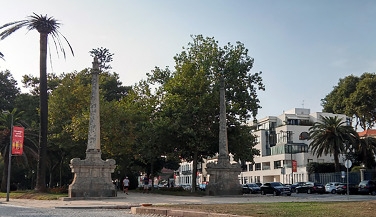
(275, 184)
(252, 185)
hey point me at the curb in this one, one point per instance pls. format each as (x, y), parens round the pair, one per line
(88, 198)
(98, 207)
(175, 212)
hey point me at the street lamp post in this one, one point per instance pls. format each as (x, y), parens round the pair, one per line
(9, 153)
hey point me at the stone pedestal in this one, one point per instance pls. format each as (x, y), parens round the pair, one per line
(223, 178)
(92, 176)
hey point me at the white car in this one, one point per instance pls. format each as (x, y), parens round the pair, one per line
(331, 187)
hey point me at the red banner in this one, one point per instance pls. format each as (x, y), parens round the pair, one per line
(294, 166)
(17, 140)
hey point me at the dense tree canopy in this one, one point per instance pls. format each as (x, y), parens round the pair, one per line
(190, 101)
(8, 90)
(354, 96)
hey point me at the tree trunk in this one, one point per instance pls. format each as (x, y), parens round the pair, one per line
(336, 162)
(194, 172)
(41, 169)
(5, 171)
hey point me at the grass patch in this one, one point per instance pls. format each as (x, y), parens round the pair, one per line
(289, 209)
(33, 195)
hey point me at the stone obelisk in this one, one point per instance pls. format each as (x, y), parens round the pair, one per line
(223, 178)
(92, 176)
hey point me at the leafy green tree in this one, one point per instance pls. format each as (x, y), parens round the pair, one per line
(69, 118)
(361, 103)
(190, 101)
(28, 104)
(45, 26)
(32, 82)
(334, 102)
(354, 96)
(8, 90)
(329, 135)
(147, 149)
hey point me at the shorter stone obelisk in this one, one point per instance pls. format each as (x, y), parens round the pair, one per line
(92, 176)
(223, 179)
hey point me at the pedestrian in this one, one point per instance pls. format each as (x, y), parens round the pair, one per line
(146, 184)
(125, 185)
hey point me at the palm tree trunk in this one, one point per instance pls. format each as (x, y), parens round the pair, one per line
(336, 162)
(41, 170)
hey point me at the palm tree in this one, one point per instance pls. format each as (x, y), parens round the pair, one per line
(45, 26)
(1, 56)
(329, 136)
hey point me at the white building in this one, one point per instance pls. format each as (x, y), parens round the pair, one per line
(281, 142)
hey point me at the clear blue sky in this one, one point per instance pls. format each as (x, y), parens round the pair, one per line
(302, 47)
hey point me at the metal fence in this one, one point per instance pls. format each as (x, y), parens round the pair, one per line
(354, 177)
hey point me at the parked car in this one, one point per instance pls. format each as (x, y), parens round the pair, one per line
(310, 188)
(367, 187)
(251, 188)
(296, 184)
(342, 188)
(275, 188)
(331, 187)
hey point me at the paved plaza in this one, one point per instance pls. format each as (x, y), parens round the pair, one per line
(123, 201)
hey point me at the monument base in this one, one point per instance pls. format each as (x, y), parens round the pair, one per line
(92, 176)
(223, 178)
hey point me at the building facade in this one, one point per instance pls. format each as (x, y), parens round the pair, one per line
(284, 147)
(284, 150)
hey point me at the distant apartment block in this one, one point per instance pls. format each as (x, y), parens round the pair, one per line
(284, 148)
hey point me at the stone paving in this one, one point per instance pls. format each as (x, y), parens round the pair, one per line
(123, 201)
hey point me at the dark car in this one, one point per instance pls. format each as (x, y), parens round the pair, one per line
(310, 188)
(367, 187)
(342, 188)
(275, 188)
(251, 188)
(296, 184)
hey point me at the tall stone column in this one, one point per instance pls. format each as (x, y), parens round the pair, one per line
(223, 179)
(223, 157)
(92, 176)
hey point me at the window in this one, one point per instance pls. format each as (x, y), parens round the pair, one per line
(266, 166)
(277, 164)
(258, 166)
(250, 167)
(309, 160)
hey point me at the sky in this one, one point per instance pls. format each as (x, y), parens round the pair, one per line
(302, 48)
